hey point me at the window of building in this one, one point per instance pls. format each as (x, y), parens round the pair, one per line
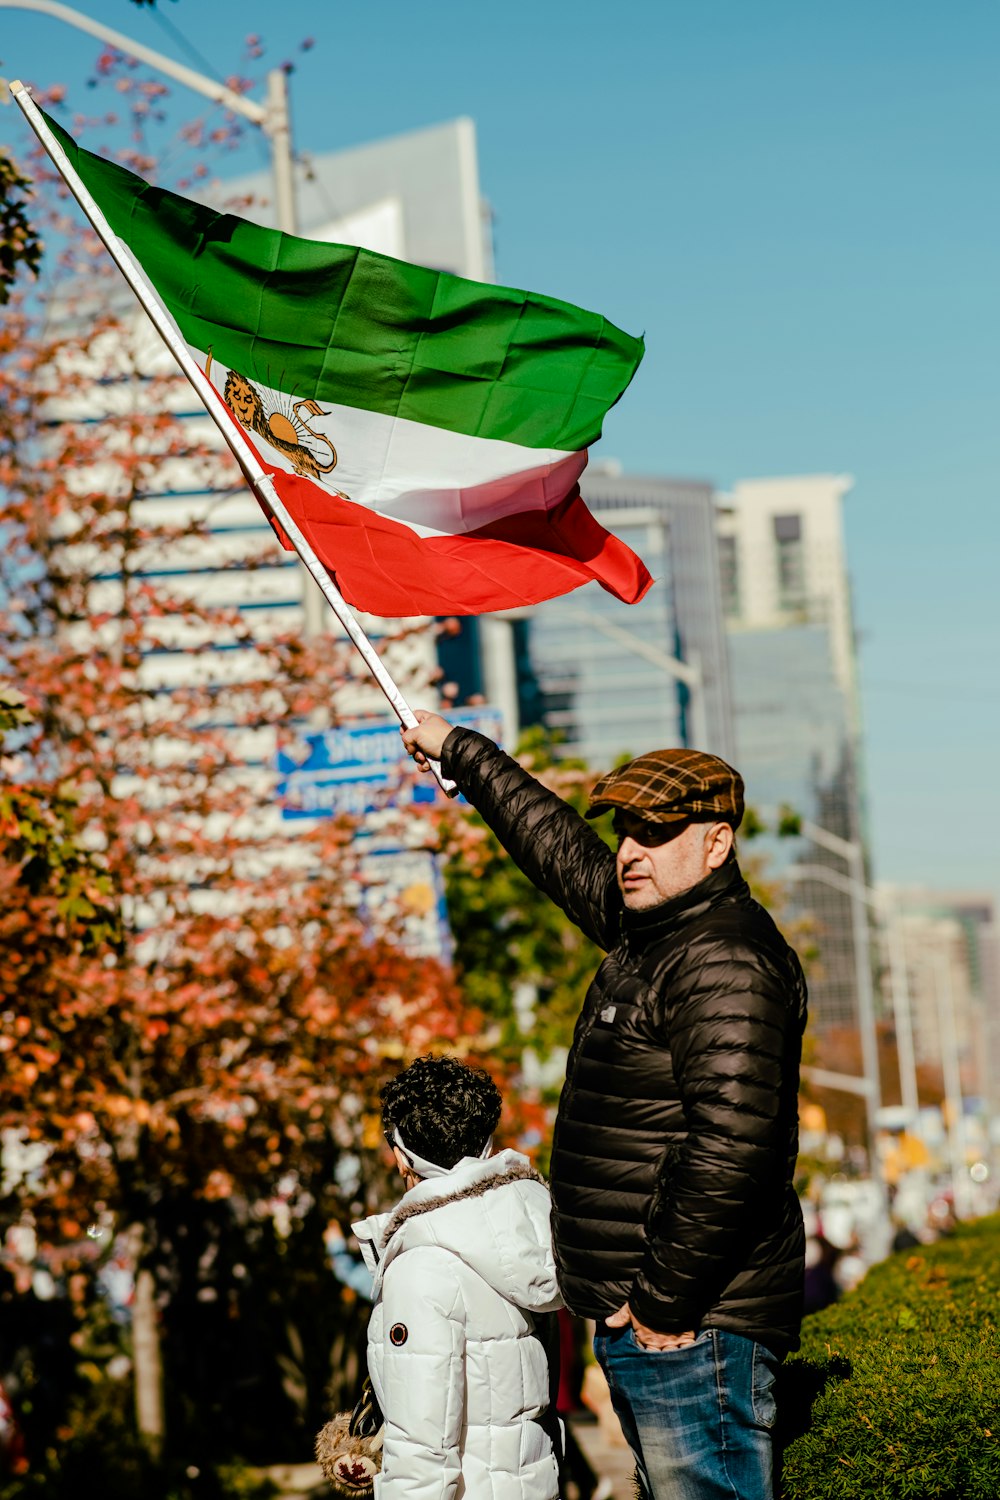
(790, 561)
(729, 568)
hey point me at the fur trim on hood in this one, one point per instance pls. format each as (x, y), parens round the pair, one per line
(519, 1172)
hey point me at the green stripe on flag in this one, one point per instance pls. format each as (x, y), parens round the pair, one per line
(334, 323)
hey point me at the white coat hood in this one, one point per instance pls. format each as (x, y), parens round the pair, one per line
(493, 1215)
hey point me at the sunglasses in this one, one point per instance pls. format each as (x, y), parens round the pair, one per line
(647, 835)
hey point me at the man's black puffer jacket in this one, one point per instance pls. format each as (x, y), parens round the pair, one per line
(677, 1133)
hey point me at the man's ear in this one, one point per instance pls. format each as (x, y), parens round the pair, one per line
(718, 845)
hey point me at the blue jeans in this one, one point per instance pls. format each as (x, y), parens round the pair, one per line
(697, 1419)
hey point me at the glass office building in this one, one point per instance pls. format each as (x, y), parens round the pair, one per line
(795, 752)
(598, 672)
(787, 603)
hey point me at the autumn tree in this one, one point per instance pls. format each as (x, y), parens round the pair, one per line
(198, 1006)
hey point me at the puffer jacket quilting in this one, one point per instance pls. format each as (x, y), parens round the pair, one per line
(676, 1135)
(463, 1269)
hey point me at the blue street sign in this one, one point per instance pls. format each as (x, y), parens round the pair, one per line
(359, 768)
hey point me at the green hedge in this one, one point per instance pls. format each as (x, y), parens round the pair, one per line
(895, 1393)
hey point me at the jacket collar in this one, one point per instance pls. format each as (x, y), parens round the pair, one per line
(640, 928)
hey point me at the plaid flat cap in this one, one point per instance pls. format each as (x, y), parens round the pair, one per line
(672, 786)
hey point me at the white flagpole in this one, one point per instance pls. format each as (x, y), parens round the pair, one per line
(260, 481)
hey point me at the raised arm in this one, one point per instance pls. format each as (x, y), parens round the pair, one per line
(557, 849)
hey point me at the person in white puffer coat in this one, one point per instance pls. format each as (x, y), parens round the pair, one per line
(463, 1275)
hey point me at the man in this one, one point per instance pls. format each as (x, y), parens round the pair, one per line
(675, 1222)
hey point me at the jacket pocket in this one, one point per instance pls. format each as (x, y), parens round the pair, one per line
(662, 1187)
(536, 1444)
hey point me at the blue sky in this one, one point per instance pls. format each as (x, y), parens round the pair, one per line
(798, 205)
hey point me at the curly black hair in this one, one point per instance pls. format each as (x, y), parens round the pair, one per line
(443, 1109)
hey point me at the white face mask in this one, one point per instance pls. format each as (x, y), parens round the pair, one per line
(424, 1168)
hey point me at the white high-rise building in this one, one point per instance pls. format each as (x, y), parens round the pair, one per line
(414, 195)
(784, 560)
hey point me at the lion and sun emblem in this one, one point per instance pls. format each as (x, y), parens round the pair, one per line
(282, 422)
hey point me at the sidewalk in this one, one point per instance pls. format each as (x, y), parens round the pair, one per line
(608, 1454)
(605, 1448)
(599, 1434)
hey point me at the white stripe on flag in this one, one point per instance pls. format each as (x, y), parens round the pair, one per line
(436, 482)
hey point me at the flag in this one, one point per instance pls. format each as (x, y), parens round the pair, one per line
(426, 433)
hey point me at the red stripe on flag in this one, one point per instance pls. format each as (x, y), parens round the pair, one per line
(384, 568)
